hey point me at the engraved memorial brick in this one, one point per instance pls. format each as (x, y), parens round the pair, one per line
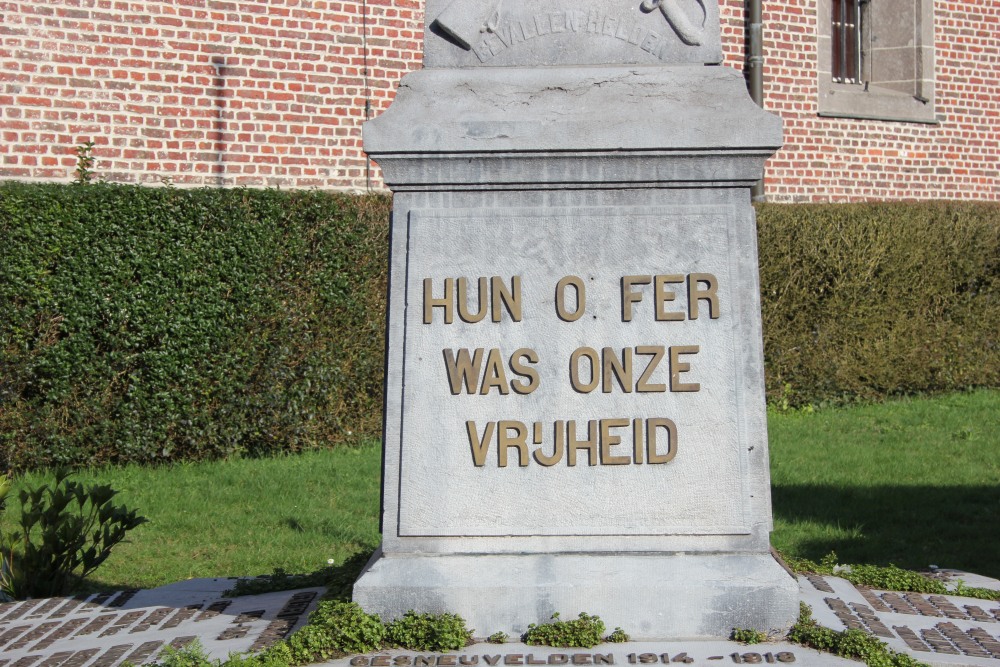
(575, 416)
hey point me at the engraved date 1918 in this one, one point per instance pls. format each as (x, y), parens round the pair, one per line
(757, 658)
(684, 658)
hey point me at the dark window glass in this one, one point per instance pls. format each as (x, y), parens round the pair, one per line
(847, 41)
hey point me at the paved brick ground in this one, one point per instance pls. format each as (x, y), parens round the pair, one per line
(936, 629)
(109, 629)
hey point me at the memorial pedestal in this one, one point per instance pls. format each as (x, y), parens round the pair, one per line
(575, 416)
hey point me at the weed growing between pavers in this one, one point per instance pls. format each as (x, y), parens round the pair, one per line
(336, 629)
(856, 644)
(747, 636)
(582, 632)
(889, 578)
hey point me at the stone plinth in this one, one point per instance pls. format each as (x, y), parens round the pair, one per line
(575, 414)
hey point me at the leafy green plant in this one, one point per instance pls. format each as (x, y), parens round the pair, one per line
(154, 325)
(6, 583)
(747, 636)
(619, 636)
(873, 300)
(583, 632)
(498, 638)
(66, 530)
(337, 627)
(84, 163)
(855, 644)
(192, 655)
(888, 578)
(429, 632)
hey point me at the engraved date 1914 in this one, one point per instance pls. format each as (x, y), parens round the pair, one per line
(738, 658)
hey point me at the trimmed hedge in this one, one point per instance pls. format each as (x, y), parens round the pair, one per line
(153, 325)
(156, 324)
(872, 300)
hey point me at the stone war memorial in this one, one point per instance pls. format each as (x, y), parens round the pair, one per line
(574, 407)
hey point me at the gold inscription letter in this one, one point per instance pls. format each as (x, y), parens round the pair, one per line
(644, 386)
(574, 369)
(479, 447)
(671, 428)
(629, 297)
(620, 370)
(463, 369)
(519, 440)
(494, 376)
(696, 294)
(590, 444)
(510, 300)
(608, 441)
(560, 444)
(661, 295)
(463, 303)
(447, 301)
(519, 369)
(637, 441)
(677, 367)
(581, 298)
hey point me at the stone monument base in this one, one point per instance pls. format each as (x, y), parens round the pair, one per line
(651, 597)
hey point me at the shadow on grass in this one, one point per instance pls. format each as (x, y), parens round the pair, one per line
(909, 526)
(337, 579)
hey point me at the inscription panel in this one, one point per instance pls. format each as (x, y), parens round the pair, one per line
(464, 33)
(572, 372)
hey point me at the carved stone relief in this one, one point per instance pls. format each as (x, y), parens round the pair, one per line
(466, 33)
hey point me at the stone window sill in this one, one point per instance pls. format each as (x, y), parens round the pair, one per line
(838, 100)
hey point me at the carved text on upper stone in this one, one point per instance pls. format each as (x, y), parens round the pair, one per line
(506, 33)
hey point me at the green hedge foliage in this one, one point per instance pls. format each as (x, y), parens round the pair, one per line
(872, 300)
(157, 324)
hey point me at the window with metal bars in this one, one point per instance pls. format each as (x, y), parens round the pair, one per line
(847, 40)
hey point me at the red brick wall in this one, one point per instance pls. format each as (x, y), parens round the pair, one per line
(204, 92)
(273, 93)
(827, 159)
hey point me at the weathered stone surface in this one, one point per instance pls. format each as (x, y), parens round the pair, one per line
(505, 33)
(574, 393)
(651, 596)
(698, 653)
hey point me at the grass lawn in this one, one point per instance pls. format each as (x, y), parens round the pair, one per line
(910, 482)
(244, 517)
(914, 482)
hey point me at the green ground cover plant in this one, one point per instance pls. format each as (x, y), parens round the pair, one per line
(429, 632)
(335, 629)
(855, 644)
(748, 636)
(889, 578)
(584, 631)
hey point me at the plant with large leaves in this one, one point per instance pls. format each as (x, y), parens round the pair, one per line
(65, 531)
